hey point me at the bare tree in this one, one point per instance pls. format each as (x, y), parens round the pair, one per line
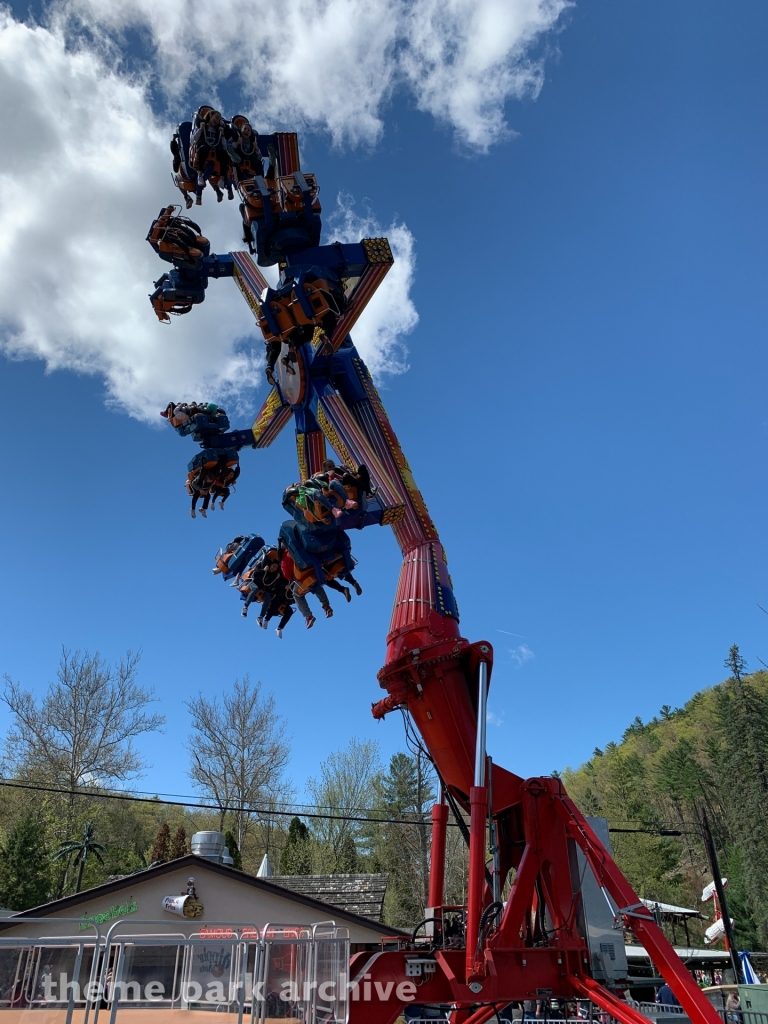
(347, 783)
(81, 732)
(238, 750)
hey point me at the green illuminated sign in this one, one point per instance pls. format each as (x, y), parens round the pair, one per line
(114, 911)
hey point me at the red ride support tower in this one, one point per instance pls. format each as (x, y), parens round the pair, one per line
(442, 681)
(538, 943)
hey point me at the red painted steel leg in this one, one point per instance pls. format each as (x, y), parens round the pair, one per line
(608, 1001)
(437, 856)
(638, 918)
(483, 1014)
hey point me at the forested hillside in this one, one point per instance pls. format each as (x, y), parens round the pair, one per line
(710, 756)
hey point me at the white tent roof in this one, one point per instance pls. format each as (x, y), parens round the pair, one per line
(635, 953)
(670, 908)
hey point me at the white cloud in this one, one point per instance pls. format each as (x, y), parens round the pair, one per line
(465, 58)
(75, 269)
(521, 654)
(493, 719)
(335, 64)
(86, 164)
(390, 314)
(79, 187)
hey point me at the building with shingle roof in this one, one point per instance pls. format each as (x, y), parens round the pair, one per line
(362, 895)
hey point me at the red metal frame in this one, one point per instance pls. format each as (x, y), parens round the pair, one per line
(437, 854)
(433, 672)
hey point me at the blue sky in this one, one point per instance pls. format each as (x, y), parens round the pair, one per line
(584, 409)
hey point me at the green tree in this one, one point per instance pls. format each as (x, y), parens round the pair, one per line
(179, 846)
(405, 792)
(25, 875)
(739, 898)
(234, 850)
(79, 851)
(742, 716)
(711, 754)
(161, 848)
(347, 859)
(296, 858)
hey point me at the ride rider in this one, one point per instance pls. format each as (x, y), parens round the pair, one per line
(199, 486)
(287, 567)
(207, 150)
(223, 485)
(244, 151)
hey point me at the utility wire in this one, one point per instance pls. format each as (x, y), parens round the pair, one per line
(209, 807)
(293, 813)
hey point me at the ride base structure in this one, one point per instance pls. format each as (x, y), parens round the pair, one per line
(539, 942)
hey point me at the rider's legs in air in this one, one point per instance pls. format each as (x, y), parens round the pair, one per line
(349, 578)
(303, 605)
(206, 496)
(335, 585)
(273, 351)
(264, 613)
(321, 595)
(253, 595)
(286, 617)
(203, 175)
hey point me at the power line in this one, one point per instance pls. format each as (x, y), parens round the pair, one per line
(294, 812)
(186, 800)
(265, 811)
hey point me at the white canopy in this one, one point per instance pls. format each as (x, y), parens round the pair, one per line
(670, 909)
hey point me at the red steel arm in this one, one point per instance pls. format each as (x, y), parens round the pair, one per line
(636, 915)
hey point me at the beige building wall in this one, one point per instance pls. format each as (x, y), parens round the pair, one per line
(225, 898)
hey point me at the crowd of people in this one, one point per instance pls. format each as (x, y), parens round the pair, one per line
(220, 152)
(213, 472)
(268, 575)
(270, 580)
(328, 494)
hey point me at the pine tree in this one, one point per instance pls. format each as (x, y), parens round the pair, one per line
(161, 848)
(402, 850)
(711, 754)
(296, 858)
(234, 851)
(179, 846)
(742, 712)
(25, 875)
(347, 860)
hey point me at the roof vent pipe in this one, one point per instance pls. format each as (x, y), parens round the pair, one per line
(209, 845)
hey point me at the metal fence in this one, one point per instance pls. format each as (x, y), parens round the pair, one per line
(279, 972)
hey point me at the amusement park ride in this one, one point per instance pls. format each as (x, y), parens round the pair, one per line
(549, 938)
